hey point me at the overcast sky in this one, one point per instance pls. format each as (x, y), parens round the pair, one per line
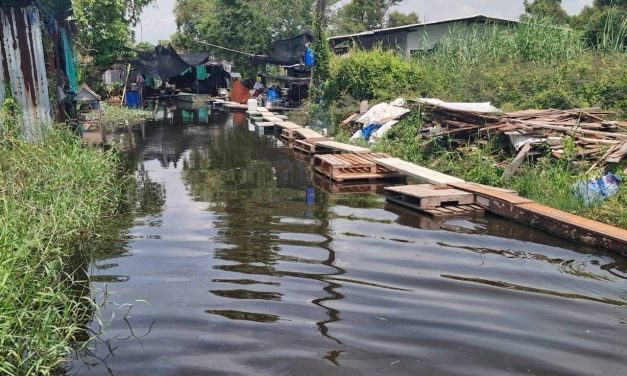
(158, 20)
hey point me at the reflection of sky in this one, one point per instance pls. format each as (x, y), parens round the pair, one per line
(158, 21)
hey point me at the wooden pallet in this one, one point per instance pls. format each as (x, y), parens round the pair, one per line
(352, 167)
(335, 188)
(339, 147)
(305, 146)
(437, 201)
(428, 196)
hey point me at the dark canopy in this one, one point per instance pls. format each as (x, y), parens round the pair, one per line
(285, 52)
(163, 63)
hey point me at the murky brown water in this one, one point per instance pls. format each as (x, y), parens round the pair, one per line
(233, 272)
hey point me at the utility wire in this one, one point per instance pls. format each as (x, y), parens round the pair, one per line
(225, 48)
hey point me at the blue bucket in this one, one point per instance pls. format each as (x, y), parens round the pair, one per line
(132, 99)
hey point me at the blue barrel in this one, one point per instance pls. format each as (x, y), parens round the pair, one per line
(132, 99)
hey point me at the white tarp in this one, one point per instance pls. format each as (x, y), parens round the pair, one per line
(382, 113)
(483, 108)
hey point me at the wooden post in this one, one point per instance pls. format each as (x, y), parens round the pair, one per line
(128, 74)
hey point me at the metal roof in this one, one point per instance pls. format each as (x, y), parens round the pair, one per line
(478, 17)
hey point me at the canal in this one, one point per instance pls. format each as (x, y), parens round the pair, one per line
(233, 263)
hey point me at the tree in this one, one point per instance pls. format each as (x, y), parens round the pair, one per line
(397, 18)
(546, 8)
(105, 29)
(249, 26)
(361, 15)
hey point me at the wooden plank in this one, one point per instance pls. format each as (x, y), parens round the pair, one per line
(520, 157)
(338, 146)
(417, 172)
(306, 133)
(287, 125)
(571, 226)
(575, 130)
(506, 195)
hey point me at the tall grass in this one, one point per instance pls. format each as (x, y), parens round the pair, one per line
(537, 39)
(52, 193)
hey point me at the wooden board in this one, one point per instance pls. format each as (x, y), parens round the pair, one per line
(430, 196)
(571, 226)
(287, 125)
(488, 192)
(341, 147)
(307, 133)
(417, 172)
(264, 124)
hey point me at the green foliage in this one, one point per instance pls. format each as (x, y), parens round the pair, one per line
(10, 120)
(546, 8)
(245, 25)
(398, 18)
(375, 74)
(116, 118)
(361, 15)
(53, 194)
(105, 29)
(533, 65)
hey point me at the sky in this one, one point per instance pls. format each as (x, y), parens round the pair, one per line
(158, 20)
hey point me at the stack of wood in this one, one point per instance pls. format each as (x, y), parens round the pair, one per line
(594, 138)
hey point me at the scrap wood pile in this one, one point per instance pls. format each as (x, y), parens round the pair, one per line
(531, 131)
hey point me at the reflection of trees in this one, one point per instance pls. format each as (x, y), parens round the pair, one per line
(252, 186)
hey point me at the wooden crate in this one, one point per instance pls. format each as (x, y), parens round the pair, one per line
(437, 201)
(336, 188)
(347, 167)
(304, 146)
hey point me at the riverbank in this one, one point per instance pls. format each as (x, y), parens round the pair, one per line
(54, 193)
(548, 181)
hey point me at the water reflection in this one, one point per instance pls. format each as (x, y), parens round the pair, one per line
(248, 184)
(249, 268)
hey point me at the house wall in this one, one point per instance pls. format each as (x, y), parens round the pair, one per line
(23, 67)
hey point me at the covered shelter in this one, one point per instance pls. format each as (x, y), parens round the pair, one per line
(197, 73)
(286, 52)
(414, 38)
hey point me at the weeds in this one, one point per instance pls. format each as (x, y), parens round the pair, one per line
(53, 193)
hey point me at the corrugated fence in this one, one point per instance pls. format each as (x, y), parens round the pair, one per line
(23, 67)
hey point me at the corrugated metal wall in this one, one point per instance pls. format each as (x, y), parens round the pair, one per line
(23, 67)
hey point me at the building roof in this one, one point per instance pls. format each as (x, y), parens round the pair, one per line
(412, 27)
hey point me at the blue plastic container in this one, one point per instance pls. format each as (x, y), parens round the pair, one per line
(132, 99)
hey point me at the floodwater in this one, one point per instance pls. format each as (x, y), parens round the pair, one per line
(233, 265)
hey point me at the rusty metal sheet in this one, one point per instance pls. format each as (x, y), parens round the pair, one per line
(23, 67)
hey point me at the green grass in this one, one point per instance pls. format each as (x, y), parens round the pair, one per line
(532, 65)
(548, 181)
(53, 193)
(116, 118)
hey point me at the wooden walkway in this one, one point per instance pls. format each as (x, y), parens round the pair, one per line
(419, 173)
(446, 196)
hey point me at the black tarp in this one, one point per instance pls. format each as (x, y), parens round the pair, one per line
(286, 51)
(163, 63)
